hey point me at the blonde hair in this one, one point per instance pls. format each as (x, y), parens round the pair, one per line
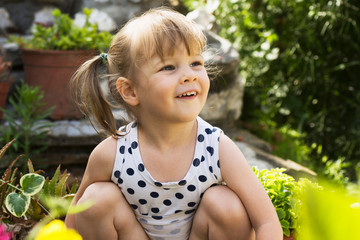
(157, 32)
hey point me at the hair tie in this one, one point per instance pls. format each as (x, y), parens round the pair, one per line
(103, 56)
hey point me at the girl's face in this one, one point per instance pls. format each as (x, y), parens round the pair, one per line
(174, 89)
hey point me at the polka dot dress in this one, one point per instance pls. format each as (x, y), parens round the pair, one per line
(166, 209)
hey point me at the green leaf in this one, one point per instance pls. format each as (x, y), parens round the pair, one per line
(3, 150)
(80, 207)
(286, 232)
(281, 213)
(285, 224)
(59, 206)
(17, 204)
(31, 183)
(61, 186)
(53, 181)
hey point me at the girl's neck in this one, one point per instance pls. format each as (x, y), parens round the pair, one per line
(165, 136)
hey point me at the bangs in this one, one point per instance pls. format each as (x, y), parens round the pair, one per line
(160, 33)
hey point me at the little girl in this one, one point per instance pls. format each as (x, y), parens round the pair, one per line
(160, 177)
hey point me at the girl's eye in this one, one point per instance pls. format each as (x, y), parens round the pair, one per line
(167, 68)
(197, 63)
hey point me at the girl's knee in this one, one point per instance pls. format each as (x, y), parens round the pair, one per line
(224, 206)
(103, 195)
(221, 215)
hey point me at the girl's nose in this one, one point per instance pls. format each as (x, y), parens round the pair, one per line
(189, 75)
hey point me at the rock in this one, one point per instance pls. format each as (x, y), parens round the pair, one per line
(224, 107)
(252, 158)
(44, 17)
(206, 20)
(5, 21)
(104, 21)
(12, 53)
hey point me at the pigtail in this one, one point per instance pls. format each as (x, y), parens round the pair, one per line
(89, 97)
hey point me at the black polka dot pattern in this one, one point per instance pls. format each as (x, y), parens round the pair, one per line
(134, 145)
(182, 182)
(196, 162)
(191, 188)
(155, 210)
(202, 178)
(154, 194)
(201, 138)
(210, 150)
(130, 171)
(167, 207)
(122, 149)
(179, 195)
(141, 183)
(117, 174)
(141, 167)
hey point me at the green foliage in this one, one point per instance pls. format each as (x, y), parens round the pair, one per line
(27, 121)
(285, 141)
(336, 171)
(36, 198)
(56, 187)
(300, 60)
(280, 188)
(64, 35)
(329, 213)
(18, 203)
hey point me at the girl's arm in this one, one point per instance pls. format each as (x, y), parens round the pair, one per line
(98, 169)
(240, 178)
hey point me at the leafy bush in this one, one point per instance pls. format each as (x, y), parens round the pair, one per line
(26, 122)
(280, 187)
(64, 35)
(285, 142)
(301, 63)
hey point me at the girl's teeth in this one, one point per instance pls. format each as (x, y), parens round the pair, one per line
(188, 94)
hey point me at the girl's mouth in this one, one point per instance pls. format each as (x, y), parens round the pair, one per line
(188, 94)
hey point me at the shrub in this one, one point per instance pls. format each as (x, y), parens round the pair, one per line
(280, 187)
(26, 122)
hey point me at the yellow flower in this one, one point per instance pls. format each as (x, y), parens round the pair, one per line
(56, 230)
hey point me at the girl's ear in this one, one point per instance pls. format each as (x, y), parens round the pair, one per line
(127, 91)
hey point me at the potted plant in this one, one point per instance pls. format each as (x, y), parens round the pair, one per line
(53, 54)
(5, 80)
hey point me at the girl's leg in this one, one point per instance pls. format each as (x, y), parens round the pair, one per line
(221, 215)
(110, 218)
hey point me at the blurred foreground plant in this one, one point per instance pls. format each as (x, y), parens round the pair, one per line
(330, 213)
(56, 230)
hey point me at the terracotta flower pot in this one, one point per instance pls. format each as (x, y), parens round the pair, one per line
(4, 92)
(52, 70)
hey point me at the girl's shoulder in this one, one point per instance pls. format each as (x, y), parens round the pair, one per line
(207, 128)
(102, 158)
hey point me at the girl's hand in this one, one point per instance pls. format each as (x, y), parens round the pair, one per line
(241, 179)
